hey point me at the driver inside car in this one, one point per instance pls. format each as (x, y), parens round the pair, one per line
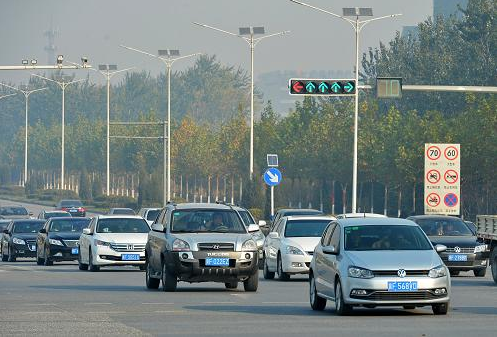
(216, 223)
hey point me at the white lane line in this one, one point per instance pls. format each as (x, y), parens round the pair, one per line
(97, 303)
(157, 303)
(41, 312)
(168, 311)
(106, 312)
(39, 304)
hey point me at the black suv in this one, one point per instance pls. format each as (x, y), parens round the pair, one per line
(201, 243)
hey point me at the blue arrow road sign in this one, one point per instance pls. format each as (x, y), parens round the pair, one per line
(272, 176)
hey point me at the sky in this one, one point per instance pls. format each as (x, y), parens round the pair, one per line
(96, 28)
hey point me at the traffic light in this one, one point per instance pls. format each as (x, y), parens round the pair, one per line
(320, 87)
(389, 87)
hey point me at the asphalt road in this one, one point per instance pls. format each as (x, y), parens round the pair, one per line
(61, 300)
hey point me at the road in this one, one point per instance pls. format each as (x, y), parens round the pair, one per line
(33, 208)
(61, 300)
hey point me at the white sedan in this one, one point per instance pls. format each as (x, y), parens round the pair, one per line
(113, 240)
(289, 247)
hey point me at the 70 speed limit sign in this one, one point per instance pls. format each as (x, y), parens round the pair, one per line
(442, 179)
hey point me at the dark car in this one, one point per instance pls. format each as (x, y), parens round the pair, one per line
(19, 239)
(472, 226)
(464, 251)
(74, 207)
(14, 212)
(121, 211)
(58, 240)
(293, 211)
(45, 215)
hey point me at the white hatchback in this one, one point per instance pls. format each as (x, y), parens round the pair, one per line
(289, 247)
(113, 240)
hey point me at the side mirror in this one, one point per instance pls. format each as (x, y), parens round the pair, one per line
(157, 227)
(273, 235)
(86, 231)
(262, 223)
(43, 231)
(30, 214)
(440, 248)
(6, 231)
(330, 250)
(253, 228)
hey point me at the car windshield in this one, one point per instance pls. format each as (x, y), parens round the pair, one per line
(206, 221)
(444, 227)
(122, 226)
(56, 215)
(71, 203)
(27, 227)
(305, 228)
(68, 225)
(385, 237)
(246, 217)
(123, 211)
(13, 211)
(152, 214)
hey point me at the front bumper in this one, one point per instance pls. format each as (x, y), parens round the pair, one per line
(63, 253)
(190, 266)
(474, 261)
(106, 256)
(296, 264)
(378, 294)
(26, 250)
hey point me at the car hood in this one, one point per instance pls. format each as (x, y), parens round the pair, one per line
(25, 236)
(453, 241)
(194, 238)
(122, 237)
(393, 260)
(64, 235)
(305, 243)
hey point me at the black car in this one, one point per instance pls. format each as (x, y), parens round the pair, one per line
(464, 251)
(45, 215)
(74, 207)
(14, 212)
(58, 240)
(19, 239)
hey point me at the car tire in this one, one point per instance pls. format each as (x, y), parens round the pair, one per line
(142, 267)
(91, 266)
(282, 276)
(317, 302)
(231, 285)
(480, 272)
(409, 307)
(252, 283)
(268, 275)
(341, 308)
(454, 272)
(493, 263)
(11, 257)
(150, 282)
(440, 309)
(81, 265)
(169, 281)
(47, 261)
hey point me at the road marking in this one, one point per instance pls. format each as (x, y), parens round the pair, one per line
(39, 304)
(157, 303)
(168, 311)
(41, 312)
(107, 312)
(97, 303)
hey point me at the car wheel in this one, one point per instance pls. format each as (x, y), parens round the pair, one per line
(91, 266)
(4, 257)
(11, 257)
(409, 307)
(440, 309)
(231, 285)
(480, 272)
(47, 261)
(169, 281)
(454, 272)
(268, 275)
(317, 302)
(150, 282)
(493, 263)
(341, 307)
(252, 283)
(81, 265)
(281, 274)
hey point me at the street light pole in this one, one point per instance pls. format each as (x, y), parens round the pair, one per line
(26, 94)
(357, 25)
(166, 56)
(251, 31)
(62, 84)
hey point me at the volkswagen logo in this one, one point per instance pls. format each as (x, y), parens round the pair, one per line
(457, 249)
(216, 247)
(402, 273)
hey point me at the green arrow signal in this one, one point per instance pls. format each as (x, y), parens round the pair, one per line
(323, 87)
(310, 87)
(336, 87)
(349, 87)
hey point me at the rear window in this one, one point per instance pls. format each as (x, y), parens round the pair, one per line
(69, 225)
(291, 213)
(305, 228)
(122, 226)
(152, 214)
(123, 211)
(13, 211)
(56, 215)
(71, 203)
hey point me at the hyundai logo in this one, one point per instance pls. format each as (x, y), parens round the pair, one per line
(457, 249)
(216, 247)
(130, 247)
(402, 273)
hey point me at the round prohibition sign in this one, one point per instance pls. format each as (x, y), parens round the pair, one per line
(433, 176)
(451, 177)
(451, 200)
(451, 153)
(433, 152)
(433, 200)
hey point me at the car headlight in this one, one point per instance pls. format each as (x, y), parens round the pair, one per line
(180, 246)
(480, 248)
(18, 241)
(102, 243)
(358, 272)
(55, 242)
(249, 246)
(293, 250)
(436, 272)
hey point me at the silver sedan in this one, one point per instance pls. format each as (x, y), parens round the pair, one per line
(373, 262)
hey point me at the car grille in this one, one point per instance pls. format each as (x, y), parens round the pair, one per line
(464, 250)
(128, 247)
(394, 273)
(400, 296)
(310, 253)
(216, 246)
(457, 263)
(71, 243)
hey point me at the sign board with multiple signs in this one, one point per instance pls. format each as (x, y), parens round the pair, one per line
(322, 87)
(442, 179)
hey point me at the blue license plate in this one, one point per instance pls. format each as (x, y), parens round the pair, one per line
(75, 251)
(458, 257)
(73, 210)
(403, 286)
(217, 262)
(130, 257)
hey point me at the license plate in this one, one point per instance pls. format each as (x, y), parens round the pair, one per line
(130, 257)
(73, 210)
(217, 262)
(458, 257)
(403, 286)
(74, 251)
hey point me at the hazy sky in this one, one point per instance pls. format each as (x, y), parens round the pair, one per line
(95, 28)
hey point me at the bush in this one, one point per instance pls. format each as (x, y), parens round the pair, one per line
(115, 201)
(257, 213)
(56, 195)
(12, 190)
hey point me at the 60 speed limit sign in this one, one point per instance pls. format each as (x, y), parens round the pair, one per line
(442, 179)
